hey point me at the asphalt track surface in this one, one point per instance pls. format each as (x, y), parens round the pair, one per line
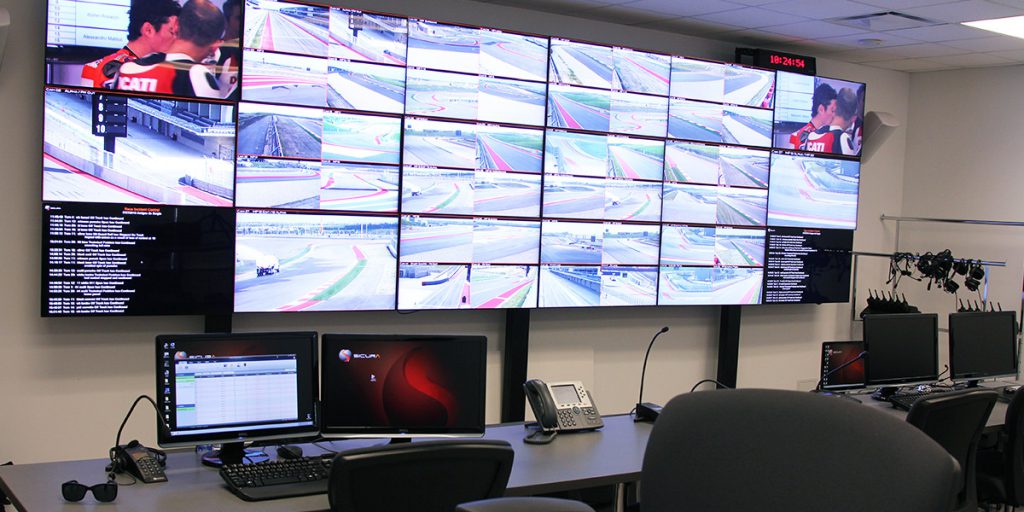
(365, 91)
(738, 128)
(581, 66)
(440, 47)
(698, 85)
(689, 166)
(636, 72)
(286, 33)
(503, 287)
(356, 190)
(751, 171)
(691, 206)
(627, 162)
(580, 203)
(557, 249)
(440, 244)
(638, 289)
(278, 186)
(446, 287)
(739, 290)
(693, 126)
(440, 151)
(634, 203)
(799, 198)
(317, 275)
(742, 210)
(638, 120)
(680, 246)
(448, 195)
(583, 155)
(514, 56)
(506, 244)
(379, 44)
(500, 155)
(565, 112)
(743, 252)
(625, 251)
(558, 290)
(508, 198)
(751, 88)
(280, 135)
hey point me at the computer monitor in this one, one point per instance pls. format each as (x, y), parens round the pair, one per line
(835, 354)
(982, 344)
(235, 388)
(402, 386)
(902, 348)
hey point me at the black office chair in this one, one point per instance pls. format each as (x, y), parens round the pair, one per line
(955, 420)
(1000, 470)
(524, 504)
(775, 450)
(429, 476)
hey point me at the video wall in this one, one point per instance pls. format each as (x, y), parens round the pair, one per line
(312, 157)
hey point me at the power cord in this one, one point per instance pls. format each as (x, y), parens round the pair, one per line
(719, 384)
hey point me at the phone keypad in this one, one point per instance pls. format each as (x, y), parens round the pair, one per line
(566, 418)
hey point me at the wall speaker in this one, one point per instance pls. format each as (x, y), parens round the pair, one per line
(5, 24)
(878, 126)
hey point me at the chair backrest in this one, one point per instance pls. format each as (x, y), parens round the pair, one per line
(776, 450)
(955, 420)
(1013, 451)
(428, 476)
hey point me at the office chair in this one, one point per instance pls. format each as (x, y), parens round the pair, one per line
(776, 450)
(1000, 470)
(955, 420)
(524, 504)
(429, 476)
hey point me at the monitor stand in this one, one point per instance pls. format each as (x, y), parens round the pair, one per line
(399, 440)
(973, 383)
(233, 453)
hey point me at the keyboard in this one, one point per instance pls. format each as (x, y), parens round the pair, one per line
(905, 400)
(278, 478)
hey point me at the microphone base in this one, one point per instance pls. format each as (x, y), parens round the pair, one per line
(647, 412)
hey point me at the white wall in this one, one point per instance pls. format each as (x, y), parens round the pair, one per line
(964, 162)
(65, 384)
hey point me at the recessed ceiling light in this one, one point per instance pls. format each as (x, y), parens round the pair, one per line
(1012, 26)
(870, 42)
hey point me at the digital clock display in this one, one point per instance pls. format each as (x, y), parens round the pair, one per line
(784, 61)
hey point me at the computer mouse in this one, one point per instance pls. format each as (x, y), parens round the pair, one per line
(288, 451)
(1009, 390)
(924, 388)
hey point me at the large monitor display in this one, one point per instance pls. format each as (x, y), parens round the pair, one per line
(982, 344)
(368, 161)
(235, 388)
(403, 385)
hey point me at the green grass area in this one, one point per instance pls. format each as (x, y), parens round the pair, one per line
(305, 250)
(449, 200)
(593, 100)
(646, 149)
(340, 284)
(517, 300)
(709, 152)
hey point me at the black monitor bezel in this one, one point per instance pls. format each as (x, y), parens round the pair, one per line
(328, 344)
(967, 376)
(932, 377)
(302, 432)
(824, 358)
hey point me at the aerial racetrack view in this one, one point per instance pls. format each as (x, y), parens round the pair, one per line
(307, 262)
(573, 197)
(169, 155)
(578, 108)
(638, 114)
(642, 72)
(686, 245)
(280, 78)
(364, 86)
(690, 204)
(368, 37)
(287, 27)
(584, 64)
(284, 131)
(742, 206)
(629, 286)
(693, 120)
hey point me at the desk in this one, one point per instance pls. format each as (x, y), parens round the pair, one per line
(610, 456)
(995, 419)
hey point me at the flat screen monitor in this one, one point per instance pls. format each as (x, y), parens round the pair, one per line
(982, 344)
(807, 265)
(235, 388)
(835, 354)
(902, 348)
(398, 386)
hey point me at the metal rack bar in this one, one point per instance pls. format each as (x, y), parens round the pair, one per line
(899, 219)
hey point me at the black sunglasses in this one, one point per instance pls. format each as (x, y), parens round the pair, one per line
(74, 491)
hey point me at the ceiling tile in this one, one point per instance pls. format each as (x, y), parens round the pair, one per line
(1014, 55)
(941, 33)
(819, 10)
(755, 2)
(966, 10)
(976, 59)
(911, 65)
(863, 55)
(812, 29)
(912, 51)
(751, 17)
(622, 14)
(677, 8)
(871, 40)
(988, 44)
(688, 26)
(555, 6)
(753, 37)
(895, 5)
(1010, 3)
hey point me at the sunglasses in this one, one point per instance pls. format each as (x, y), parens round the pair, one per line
(74, 491)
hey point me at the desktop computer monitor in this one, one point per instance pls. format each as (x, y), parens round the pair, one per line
(402, 386)
(982, 344)
(903, 348)
(234, 388)
(835, 354)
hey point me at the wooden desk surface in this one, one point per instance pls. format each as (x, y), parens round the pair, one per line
(611, 455)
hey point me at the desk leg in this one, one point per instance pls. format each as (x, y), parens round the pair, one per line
(620, 497)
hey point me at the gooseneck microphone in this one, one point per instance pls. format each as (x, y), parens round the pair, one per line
(831, 372)
(647, 411)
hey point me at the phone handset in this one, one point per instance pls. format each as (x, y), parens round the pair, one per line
(560, 407)
(145, 463)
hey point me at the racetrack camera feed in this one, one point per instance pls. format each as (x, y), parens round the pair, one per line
(353, 160)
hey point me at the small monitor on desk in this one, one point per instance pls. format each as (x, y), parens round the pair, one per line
(235, 388)
(982, 344)
(835, 354)
(902, 348)
(403, 386)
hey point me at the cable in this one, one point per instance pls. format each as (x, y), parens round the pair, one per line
(117, 440)
(719, 384)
